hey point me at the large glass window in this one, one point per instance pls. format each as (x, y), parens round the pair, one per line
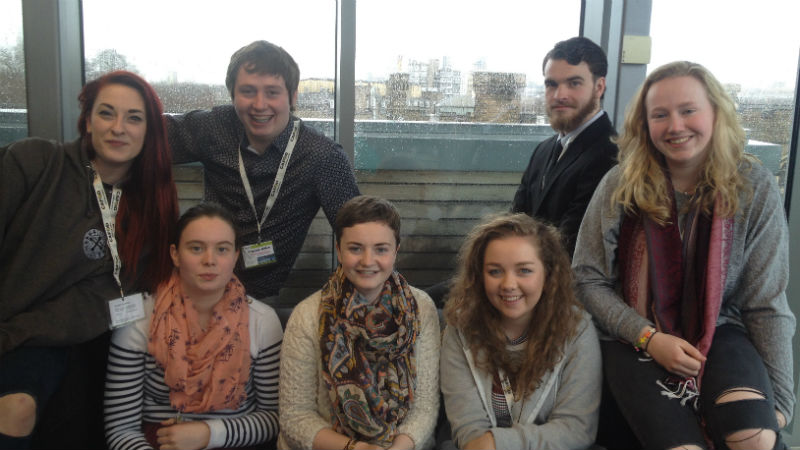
(449, 107)
(13, 107)
(752, 49)
(183, 49)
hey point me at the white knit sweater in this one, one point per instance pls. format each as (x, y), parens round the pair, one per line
(305, 407)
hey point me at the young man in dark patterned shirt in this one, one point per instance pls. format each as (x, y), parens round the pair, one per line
(263, 164)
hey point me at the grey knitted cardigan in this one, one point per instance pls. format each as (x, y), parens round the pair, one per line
(754, 296)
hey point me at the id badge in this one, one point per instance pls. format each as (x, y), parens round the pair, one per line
(256, 255)
(126, 309)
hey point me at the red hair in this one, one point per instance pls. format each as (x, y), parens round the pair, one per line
(149, 206)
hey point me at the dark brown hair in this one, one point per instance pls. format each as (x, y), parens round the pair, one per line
(264, 57)
(206, 209)
(367, 208)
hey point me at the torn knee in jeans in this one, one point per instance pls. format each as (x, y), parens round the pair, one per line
(739, 434)
(17, 414)
(736, 394)
(752, 438)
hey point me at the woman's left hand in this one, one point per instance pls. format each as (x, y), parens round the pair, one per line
(183, 436)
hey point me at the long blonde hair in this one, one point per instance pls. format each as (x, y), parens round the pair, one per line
(643, 187)
(555, 317)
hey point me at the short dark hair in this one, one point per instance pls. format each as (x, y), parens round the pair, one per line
(206, 209)
(264, 57)
(367, 208)
(577, 50)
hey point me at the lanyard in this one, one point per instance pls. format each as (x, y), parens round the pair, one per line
(508, 393)
(544, 390)
(109, 214)
(276, 185)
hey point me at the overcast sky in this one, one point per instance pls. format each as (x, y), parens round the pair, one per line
(746, 42)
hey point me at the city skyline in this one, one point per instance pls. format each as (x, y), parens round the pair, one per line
(759, 49)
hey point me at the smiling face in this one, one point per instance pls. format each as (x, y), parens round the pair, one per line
(263, 105)
(513, 278)
(367, 252)
(117, 125)
(680, 121)
(205, 256)
(572, 94)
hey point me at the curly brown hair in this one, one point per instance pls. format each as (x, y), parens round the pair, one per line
(555, 318)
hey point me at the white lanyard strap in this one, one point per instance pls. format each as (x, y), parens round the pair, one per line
(508, 393)
(276, 185)
(109, 214)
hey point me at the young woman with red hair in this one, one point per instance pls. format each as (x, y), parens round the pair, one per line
(84, 228)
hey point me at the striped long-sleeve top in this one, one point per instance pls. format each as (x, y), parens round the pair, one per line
(135, 390)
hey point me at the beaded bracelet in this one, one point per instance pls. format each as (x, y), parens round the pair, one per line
(644, 340)
(647, 345)
(350, 445)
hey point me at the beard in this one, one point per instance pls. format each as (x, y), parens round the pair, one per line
(566, 123)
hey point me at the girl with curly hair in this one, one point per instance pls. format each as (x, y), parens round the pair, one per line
(520, 362)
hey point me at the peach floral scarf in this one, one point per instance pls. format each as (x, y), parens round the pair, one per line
(206, 370)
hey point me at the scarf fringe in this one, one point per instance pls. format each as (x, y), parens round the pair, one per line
(685, 390)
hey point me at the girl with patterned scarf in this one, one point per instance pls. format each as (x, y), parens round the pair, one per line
(360, 362)
(199, 370)
(682, 259)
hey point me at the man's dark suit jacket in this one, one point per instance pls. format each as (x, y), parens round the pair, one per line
(571, 183)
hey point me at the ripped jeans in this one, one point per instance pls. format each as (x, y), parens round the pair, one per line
(660, 420)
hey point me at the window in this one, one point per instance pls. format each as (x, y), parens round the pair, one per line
(186, 59)
(752, 50)
(13, 106)
(449, 107)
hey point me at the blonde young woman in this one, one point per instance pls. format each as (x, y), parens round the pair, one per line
(360, 361)
(520, 363)
(682, 260)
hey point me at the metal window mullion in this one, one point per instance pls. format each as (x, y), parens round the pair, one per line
(52, 35)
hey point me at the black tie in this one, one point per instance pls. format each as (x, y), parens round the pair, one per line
(551, 161)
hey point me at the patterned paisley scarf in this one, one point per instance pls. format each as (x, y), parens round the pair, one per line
(206, 370)
(368, 356)
(677, 282)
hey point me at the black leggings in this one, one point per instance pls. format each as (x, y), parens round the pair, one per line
(660, 422)
(36, 371)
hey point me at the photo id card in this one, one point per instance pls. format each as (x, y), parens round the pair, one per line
(125, 310)
(256, 255)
